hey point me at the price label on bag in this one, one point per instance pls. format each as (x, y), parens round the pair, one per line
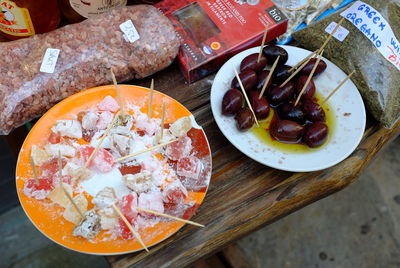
(340, 34)
(129, 30)
(49, 60)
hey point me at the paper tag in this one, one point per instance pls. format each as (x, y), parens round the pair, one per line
(340, 34)
(129, 30)
(372, 24)
(49, 60)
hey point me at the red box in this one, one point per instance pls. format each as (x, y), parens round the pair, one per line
(212, 31)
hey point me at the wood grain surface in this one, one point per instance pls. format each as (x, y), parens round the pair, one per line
(243, 195)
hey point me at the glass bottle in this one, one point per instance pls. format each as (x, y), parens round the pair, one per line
(78, 10)
(23, 18)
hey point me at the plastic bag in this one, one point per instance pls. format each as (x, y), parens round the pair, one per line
(316, 8)
(335, 3)
(300, 11)
(87, 51)
(376, 77)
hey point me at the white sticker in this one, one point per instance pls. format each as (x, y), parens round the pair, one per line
(340, 34)
(374, 26)
(129, 30)
(49, 60)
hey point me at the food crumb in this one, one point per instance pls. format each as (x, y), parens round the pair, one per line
(347, 114)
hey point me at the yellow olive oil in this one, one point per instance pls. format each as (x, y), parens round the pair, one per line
(263, 134)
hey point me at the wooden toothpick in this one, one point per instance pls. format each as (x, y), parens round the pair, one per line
(309, 78)
(263, 42)
(269, 77)
(300, 68)
(35, 176)
(118, 92)
(162, 120)
(338, 87)
(331, 34)
(136, 234)
(144, 151)
(59, 162)
(303, 62)
(245, 95)
(63, 188)
(149, 111)
(101, 140)
(307, 59)
(170, 217)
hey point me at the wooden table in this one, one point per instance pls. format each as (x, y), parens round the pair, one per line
(243, 195)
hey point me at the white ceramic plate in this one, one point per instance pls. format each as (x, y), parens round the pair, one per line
(349, 118)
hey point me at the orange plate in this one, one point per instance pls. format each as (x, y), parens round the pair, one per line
(47, 217)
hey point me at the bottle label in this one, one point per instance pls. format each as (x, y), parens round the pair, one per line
(14, 20)
(90, 8)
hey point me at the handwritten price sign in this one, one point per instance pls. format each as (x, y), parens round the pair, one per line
(374, 26)
(129, 30)
(49, 60)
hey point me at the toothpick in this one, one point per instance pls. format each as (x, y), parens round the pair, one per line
(309, 78)
(35, 176)
(263, 42)
(101, 140)
(301, 64)
(162, 121)
(269, 77)
(339, 86)
(331, 34)
(245, 95)
(65, 191)
(151, 99)
(144, 151)
(118, 92)
(303, 61)
(136, 234)
(170, 217)
(59, 162)
(318, 50)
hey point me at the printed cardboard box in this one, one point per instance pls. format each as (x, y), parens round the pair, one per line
(211, 31)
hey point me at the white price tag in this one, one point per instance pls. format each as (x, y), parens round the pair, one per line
(49, 60)
(129, 30)
(340, 34)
